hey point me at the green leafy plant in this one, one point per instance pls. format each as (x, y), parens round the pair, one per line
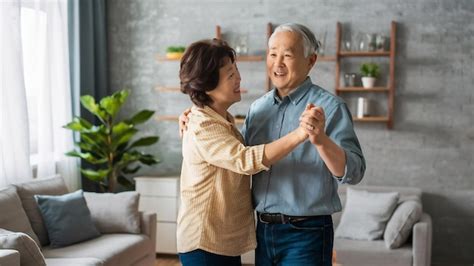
(175, 49)
(109, 145)
(369, 70)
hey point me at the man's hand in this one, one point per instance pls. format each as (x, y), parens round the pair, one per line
(313, 120)
(183, 121)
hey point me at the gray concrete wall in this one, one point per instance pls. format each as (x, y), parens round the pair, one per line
(432, 143)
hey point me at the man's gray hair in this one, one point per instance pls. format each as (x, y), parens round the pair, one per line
(310, 43)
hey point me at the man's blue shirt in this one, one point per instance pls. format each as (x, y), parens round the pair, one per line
(300, 184)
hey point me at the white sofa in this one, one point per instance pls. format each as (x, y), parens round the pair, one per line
(416, 251)
(108, 249)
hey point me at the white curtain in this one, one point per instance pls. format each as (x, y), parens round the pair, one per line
(46, 67)
(14, 137)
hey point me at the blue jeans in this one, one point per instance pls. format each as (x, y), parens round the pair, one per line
(200, 257)
(307, 242)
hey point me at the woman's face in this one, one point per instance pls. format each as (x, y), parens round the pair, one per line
(227, 91)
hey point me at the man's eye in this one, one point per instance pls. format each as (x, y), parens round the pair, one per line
(288, 55)
(273, 55)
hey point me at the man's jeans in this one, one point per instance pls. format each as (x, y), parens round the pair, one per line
(307, 242)
(200, 257)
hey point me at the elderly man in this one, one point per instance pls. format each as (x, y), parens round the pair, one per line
(295, 198)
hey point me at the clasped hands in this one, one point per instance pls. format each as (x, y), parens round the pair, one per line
(312, 122)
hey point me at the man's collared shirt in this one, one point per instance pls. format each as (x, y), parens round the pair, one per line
(216, 211)
(300, 184)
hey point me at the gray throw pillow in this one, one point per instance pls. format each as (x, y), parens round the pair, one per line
(114, 213)
(12, 215)
(365, 214)
(67, 218)
(26, 191)
(401, 223)
(30, 254)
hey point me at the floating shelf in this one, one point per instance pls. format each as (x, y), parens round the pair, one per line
(174, 118)
(178, 90)
(363, 54)
(164, 58)
(362, 89)
(326, 59)
(371, 119)
(240, 58)
(250, 58)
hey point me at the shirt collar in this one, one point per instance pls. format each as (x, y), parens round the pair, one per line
(296, 95)
(208, 110)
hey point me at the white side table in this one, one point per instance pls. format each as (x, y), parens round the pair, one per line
(160, 195)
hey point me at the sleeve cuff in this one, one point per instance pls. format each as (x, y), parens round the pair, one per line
(260, 151)
(345, 178)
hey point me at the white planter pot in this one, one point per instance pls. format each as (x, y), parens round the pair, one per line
(368, 82)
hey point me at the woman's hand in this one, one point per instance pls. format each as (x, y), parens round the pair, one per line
(183, 122)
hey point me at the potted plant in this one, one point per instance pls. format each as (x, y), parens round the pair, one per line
(109, 144)
(175, 52)
(370, 72)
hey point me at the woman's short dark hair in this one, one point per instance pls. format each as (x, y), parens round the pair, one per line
(199, 68)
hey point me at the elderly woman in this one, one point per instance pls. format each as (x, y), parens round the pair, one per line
(215, 220)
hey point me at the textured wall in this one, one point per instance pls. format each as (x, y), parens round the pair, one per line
(432, 143)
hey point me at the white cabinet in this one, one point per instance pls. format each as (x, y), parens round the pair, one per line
(160, 195)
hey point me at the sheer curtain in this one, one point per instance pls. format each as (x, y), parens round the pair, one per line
(44, 43)
(14, 137)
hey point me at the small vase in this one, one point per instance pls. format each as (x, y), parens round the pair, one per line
(368, 82)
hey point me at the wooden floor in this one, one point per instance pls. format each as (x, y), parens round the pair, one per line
(167, 260)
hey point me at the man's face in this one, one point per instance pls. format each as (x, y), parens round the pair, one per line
(227, 91)
(286, 65)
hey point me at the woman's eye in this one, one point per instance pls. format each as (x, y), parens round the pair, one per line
(288, 55)
(272, 55)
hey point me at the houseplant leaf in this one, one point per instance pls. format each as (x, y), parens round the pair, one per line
(147, 141)
(89, 103)
(141, 117)
(97, 176)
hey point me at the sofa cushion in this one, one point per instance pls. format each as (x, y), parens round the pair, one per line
(67, 218)
(30, 254)
(74, 262)
(112, 249)
(114, 213)
(26, 191)
(363, 253)
(401, 223)
(366, 214)
(13, 217)
(9, 257)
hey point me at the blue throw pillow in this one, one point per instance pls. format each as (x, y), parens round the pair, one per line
(67, 218)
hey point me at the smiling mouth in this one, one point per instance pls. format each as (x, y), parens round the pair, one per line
(279, 74)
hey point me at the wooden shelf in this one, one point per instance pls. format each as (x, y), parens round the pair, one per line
(178, 90)
(389, 89)
(175, 118)
(167, 89)
(250, 58)
(240, 58)
(363, 54)
(164, 58)
(362, 89)
(371, 119)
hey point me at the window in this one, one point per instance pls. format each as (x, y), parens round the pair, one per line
(33, 34)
